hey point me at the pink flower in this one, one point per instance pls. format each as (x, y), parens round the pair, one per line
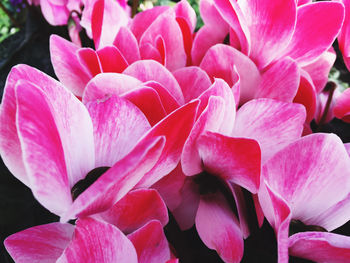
(131, 231)
(343, 38)
(50, 141)
(308, 181)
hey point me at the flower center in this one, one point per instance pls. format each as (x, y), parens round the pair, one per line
(89, 179)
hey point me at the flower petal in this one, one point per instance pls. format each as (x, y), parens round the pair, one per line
(318, 24)
(272, 123)
(136, 209)
(44, 243)
(67, 66)
(320, 247)
(150, 243)
(126, 42)
(88, 58)
(98, 241)
(111, 59)
(218, 227)
(118, 125)
(342, 107)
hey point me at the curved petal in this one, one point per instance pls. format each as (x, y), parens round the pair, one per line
(97, 241)
(147, 70)
(318, 24)
(193, 81)
(150, 243)
(342, 107)
(305, 175)
(43, 243)
(220, 61)
(105, 85)
(272, 123)
(280, 81)
(126, 42)
(237, 160)
(224, 234)
(118, 180)
(67, 66)
(136, 209)
(56, 15)
(320, 247)
(118, 125)
(89, 59)
(184, 10)
(111, 59)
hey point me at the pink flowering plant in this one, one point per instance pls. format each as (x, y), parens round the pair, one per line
(168, 140)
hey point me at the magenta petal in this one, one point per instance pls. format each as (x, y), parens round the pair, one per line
(150, 243)
(148, 101)
(306, 177)
(272, 123)
(318, 24)
(118, 180)
(320, 247)
(280, 81)
(106, 84)
(342, 107)
(57, 160)
(43, 243)
(167, 28)
(143, 20)
(118, 125)
(98, 241)
(136, 209)
(89, 59)
(220, 61)
(67, 66)
(176, 128)
(237, 160)
(193, 81)
(184, 10)
(111, 59)
(147, 70)
(271, 35)
(56, 15)
(126, 42)
(218, 227)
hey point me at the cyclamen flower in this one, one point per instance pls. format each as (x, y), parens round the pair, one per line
(307, 183)
(131, 231)
(50, 141)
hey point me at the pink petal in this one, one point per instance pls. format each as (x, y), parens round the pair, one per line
(306, 95)
(318, 24)
(148, 51)
(150, 243)
(97, 241)
(206, 37)
(88, 58)
(151, 70)
(184, 10)
(166, 26)
(319, 69)
(106, 19)
(272, 123)
(176, 128)
(43, 243)
(193, 81)
(280, 81)
(237, 160)
(136, 209)
(118, 180)
(106, 84)
(271, 35)
(219, 62)
(187, 37)
(111, 59)
(320, 247)
(170, 187)
(148, 101)
(56, 140)
(342, 107)
(118, 125)
(185, 212)
(126, 42)
(211, 16)
(218, 227)
(306, 177)
(56, 15)
(143, 20)
(67, 66)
